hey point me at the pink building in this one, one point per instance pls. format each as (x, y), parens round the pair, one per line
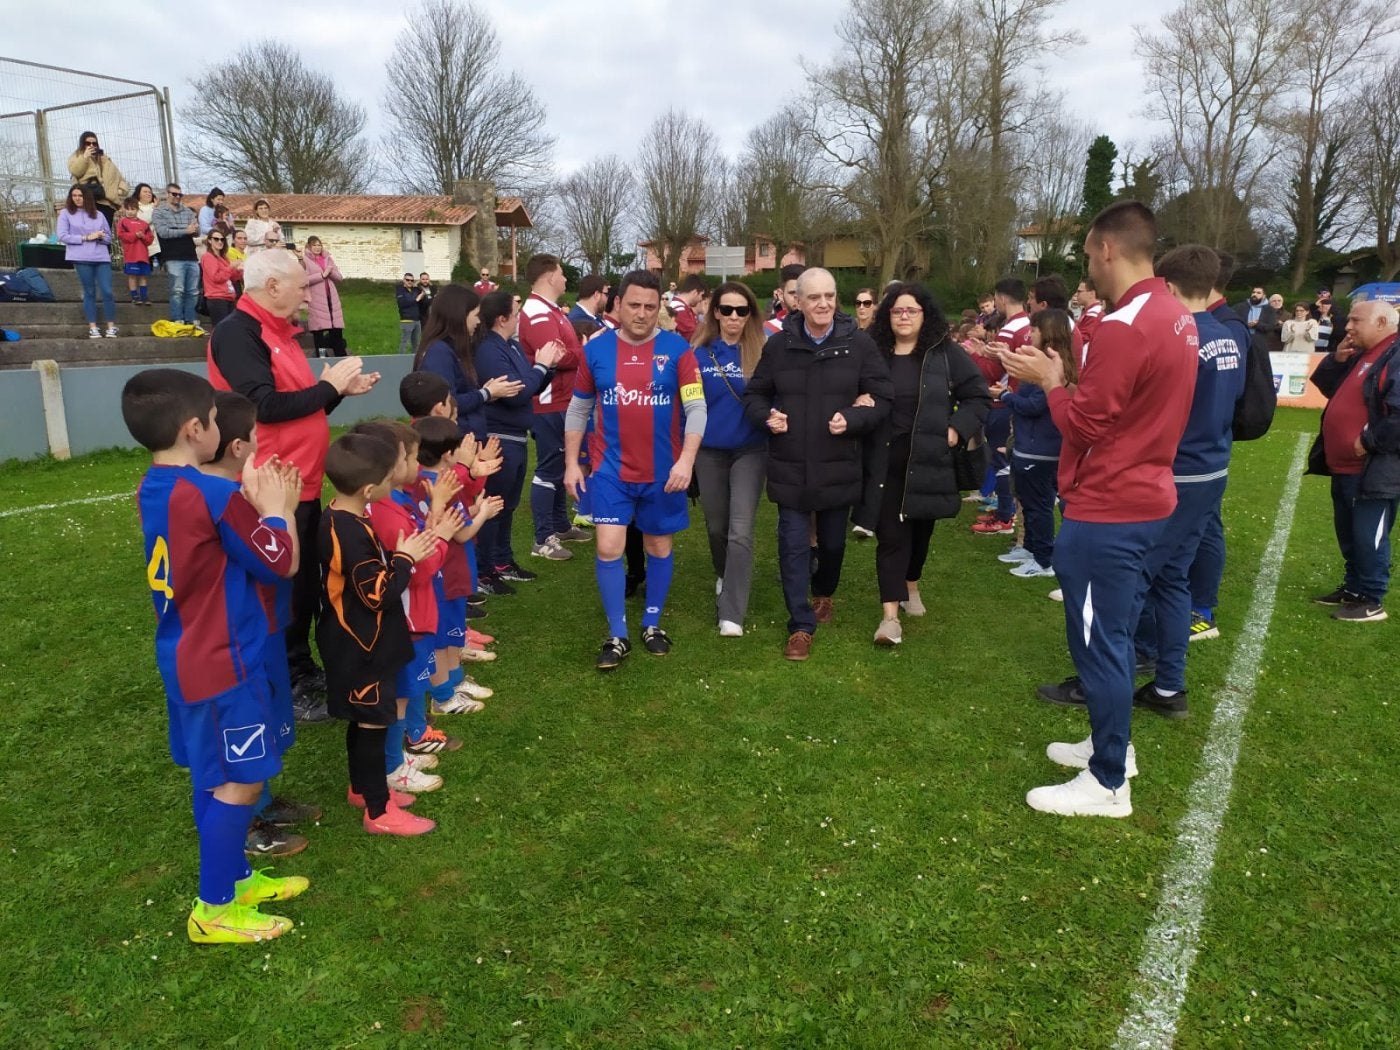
(758, 256)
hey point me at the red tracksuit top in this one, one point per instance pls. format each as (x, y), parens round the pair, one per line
(1122, 424)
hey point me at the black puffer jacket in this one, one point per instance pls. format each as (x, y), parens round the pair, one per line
(809, 468)
(952, 393)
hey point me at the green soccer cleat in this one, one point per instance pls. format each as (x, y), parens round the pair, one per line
(258, 888)
(233, 923)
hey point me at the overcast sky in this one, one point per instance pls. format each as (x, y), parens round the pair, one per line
(603, 70)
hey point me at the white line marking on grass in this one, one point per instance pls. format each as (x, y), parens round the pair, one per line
(18, 511)
(1169, 947)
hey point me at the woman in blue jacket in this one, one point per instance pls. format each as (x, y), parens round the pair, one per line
(1035, 454)
(730, 467)
(499, 359)
(447, 350)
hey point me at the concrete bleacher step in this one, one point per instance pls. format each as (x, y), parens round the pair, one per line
(66, 289)
(34, 316)
(124, 350)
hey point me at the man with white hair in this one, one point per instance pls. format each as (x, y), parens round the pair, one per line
(1360, 448)
(254, 352)
(804, 392)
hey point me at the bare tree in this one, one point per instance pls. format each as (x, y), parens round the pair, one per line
(681, 171)
(593, 203)
(1313, 131)
(264, 122)
(1376, 165)
(455, 113)
(774, 182)
(1057, 152)
(1217, 74)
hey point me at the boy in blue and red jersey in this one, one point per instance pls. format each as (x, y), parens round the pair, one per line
(206, 548)
(1121, 426)
(643, 380)
(238, 443)
(398, 514)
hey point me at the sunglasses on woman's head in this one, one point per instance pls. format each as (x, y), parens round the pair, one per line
(733, 311)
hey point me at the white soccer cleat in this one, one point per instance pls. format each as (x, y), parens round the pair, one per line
(730, 629)
(1076, 756)
(413, 780)
(1083, 796)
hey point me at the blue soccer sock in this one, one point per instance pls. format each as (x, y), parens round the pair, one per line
(441, 693)
(1205, 612)
(416, 716)
(222, 834)
(612, 588)
(454, 679)
(659, 572)
(264, 800)
(201, 803)
(393, 747)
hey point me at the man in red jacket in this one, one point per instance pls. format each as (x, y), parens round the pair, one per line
(255, 353)
(1121, 426)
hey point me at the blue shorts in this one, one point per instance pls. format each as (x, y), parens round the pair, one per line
(646, 504)
(452, 623)
(229, 738)
(412, 681)
(137, 269)
(279, 680)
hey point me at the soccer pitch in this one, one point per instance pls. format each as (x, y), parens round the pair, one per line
(720, 848)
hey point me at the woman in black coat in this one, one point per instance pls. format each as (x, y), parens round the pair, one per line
(940, 399)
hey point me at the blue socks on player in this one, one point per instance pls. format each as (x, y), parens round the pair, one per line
(264, 800)
(222, 834)
(659, 572)
(442, 692)
(612, 588)
(454, 679)
(393, 746)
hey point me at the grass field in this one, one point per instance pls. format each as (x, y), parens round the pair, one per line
(718, 849)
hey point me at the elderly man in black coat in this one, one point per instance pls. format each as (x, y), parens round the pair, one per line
(805, 391)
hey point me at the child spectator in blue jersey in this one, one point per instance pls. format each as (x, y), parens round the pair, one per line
(238, 443)
(206, 547)
(362, 632)
(398, 513)
(1035, 454)
(453, 690)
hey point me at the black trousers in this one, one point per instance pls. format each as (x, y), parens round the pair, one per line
(329, 342)
(306, 592)
(901, 547)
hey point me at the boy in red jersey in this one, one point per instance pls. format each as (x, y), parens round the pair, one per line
(362, 632)
(395, 513)
(206, 546)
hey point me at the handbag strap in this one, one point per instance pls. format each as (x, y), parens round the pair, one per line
(722, 374)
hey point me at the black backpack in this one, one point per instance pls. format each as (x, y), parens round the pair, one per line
(1254, 411)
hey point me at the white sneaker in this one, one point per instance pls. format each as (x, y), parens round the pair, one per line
(1015, 556)
(551, 550)
(407, 778)
(455, 704)
(730, 629)
(94, 332)
(889, 633)
(471, 654)
(1056, 595)
(914, 605)
(861, 532)
(1032, 570)
(111, 331)
(473, 690)
(1076, 756)
(422, 763)
(1083, 796)
(719, 587)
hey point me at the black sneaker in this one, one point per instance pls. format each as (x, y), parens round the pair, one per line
(308, 708)
(265, 840)
(1067, 693)
(283, 812)
(1173, 706)
(656, 641)
(1361, 610)
(516, 574)
(492, 583)
(476, 612)
(476, 598)
(614, 651)
(312, 681)
(1202, 628)
(1338, 597)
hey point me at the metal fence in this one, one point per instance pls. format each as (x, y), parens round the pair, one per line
(43, 111)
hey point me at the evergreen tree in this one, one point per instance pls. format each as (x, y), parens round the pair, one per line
(1098, 177)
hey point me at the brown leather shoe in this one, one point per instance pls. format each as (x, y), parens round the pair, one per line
(823, 608)
(799, 646)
